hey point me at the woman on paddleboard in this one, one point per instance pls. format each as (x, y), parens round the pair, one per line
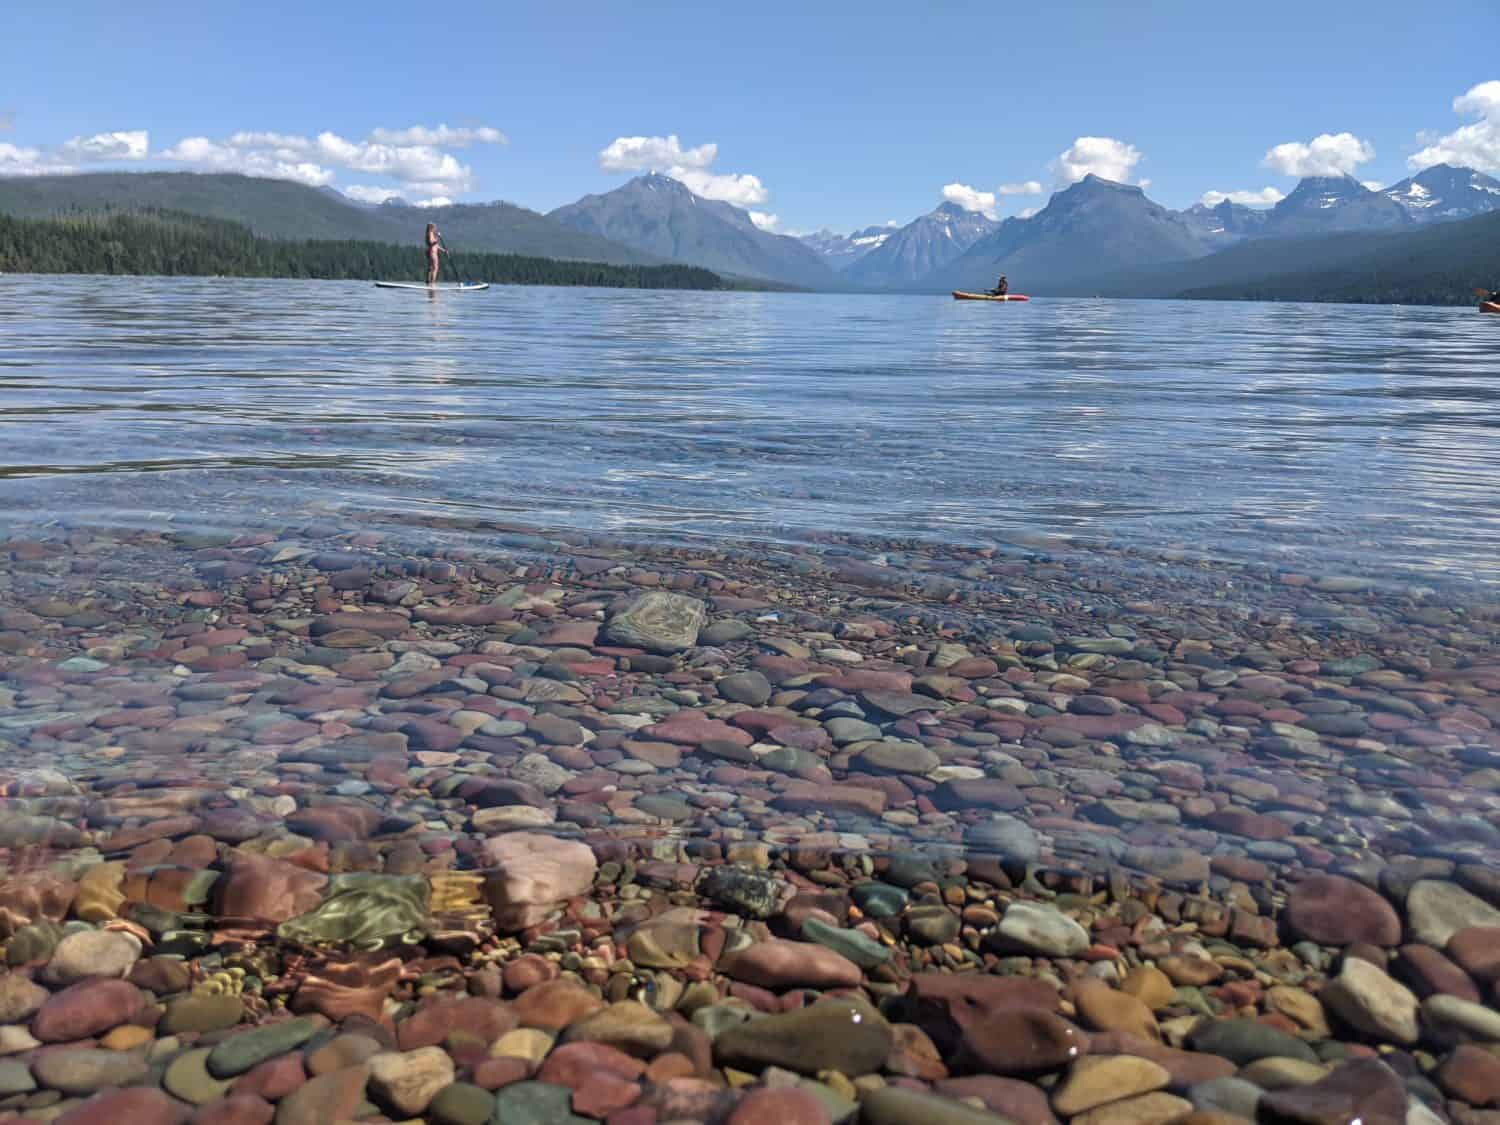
(434, 248)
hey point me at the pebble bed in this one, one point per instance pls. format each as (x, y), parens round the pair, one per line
(309, 827)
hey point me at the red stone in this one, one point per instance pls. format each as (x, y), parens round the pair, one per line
(785, 1105)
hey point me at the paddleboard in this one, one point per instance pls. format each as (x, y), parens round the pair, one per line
(466, 287)
(958, 295)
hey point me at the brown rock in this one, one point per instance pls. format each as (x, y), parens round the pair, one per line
(1471, 1074)
(554, 1005)
(779, 1106)
(1363, 1090)
(779, 965)
(1332, 910)
(325, 1099)
(1024, 1041)
(87, 1008)
(137, 1105)
(237, 1109)
(1101, 1008)
(1019, 1101)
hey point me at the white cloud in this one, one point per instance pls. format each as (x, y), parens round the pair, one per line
(765, 221)
(440, 136)
(1104, 157)
(1261, 198)
(18, 161)
(971, 199)
(1470, 146)
(645, 154)
(1372, 185)
(1030, 187)
(435, 201)
(420, 169)
(368, 193)
(204, 153)
(132, 145)
(691, 166)
(1330, 154)
(741, 190)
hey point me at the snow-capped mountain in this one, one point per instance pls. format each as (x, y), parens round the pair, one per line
(922, 246)
(841, 251)
(1444, 193)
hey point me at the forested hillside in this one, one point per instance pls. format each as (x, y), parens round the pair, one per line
(173, 244)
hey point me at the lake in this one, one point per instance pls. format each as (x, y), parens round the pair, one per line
(1322, 438)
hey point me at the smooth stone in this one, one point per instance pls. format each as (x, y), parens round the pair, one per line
(248, 1049)
(1361, 1090)
(87, 1008)
(461, 1104)
(1102, 1008)
(535, 1103)
(1372, 1003)
(1227, 1095)
(532, 874)
(86, 1070)
(20, 998)
(750, 688)
(187, 1078)
(781, 1105)
(1436, 910)
(1092, 1082)
(1452, 1019)
(1023, 1041)
(93, 953)
(897, 1105)
(15, 1078)
(1036, 928)
(1332, 910)
(778, 964)
(1244, 1041)
(860, 948)
(628, 1025)
(406, 1082)
(1006, 836)
(201, 1013)
(138, 1105)
(324, 1099)
(1144, 1109)
(845, 1035)
(880, 900)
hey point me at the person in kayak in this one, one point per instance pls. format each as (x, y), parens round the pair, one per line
(434, 248)
(1002, 287)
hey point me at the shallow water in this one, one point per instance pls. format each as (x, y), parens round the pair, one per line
(1315, 438)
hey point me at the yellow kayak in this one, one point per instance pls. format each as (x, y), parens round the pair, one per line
(961, 296)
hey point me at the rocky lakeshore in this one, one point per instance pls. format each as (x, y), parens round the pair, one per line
(306, 827)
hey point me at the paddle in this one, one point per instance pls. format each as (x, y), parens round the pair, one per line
(452, 265)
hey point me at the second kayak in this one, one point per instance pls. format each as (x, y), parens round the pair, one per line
(1490, 306)
(959, 295)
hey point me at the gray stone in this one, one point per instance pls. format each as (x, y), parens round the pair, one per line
(750, 688)
(898, 757)
(1371, 1002)
(541, 771)
(658, 622)
(1436, 910)
(864, 951)
(844, 1035)
(15, 1078)
(1006, 836)
(86, 1070)
(1244, 1041)
(92, 953)
(249, 1049)
(1036, 928)
(535, 1103)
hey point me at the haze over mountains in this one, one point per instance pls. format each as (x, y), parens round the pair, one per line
(1093, 235)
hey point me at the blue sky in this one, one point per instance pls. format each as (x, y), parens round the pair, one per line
(842, 114)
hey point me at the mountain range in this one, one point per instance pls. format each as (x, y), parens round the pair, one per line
(1093, 236)
(662, 217)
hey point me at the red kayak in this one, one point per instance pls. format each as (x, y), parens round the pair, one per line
(961, 296)
(1487, 306)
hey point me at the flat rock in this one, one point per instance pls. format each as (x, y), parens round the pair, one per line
(897, 1105)
(845, 1035)
(1332, 910)
(406, 1082)
(1372, 1002)
(1037, 928)
(1436, 910)
(1092, 1082)
(658, 622)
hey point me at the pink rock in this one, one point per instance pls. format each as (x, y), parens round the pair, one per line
(806, 796)
(532, 874)
(480, 1016)
(273, 1079)
(784, 1105)
(237, 1109)
(1011, 1098)
(573, 1064)
(139, 1105)
(693, 728)
(87, 1008)
(1332, 910)
(268, 890)
(602, 1094)
(779, 965)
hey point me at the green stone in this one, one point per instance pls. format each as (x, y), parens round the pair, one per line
(844, 1035)
(535, 1103)
(864, 951)
(187, 1077)
(880, 900)
(932, 923)
(33, 943)
(202, 1013)
(663, 807)
(461, 1104)
(1244, 1041)
(789, 759)
(249, 1049)
(895, 1105)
